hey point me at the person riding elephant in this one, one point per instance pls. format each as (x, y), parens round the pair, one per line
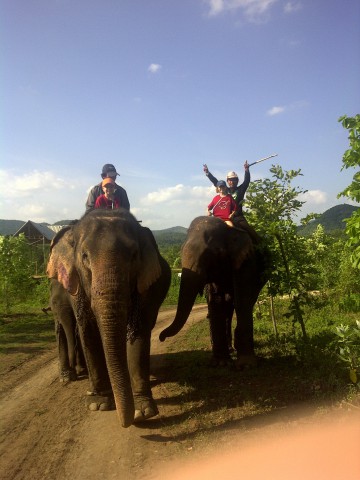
(71, 358)
(112, 268)
(238, 194)
(227, 257)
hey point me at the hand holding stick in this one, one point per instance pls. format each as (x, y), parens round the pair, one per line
(262, 159)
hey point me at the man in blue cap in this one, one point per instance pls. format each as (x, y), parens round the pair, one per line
(120, 194)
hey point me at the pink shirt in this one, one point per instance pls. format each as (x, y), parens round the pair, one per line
(103, 202)
(222, 207)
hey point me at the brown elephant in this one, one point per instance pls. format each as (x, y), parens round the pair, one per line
(117, 278)
(228, 259)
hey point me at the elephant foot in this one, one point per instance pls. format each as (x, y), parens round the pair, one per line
(221, 362)
(244, 361)
(81, 372)
(146, 411)
(68, 376)
(102, 402)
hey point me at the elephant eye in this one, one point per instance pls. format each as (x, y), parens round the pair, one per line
(85, 259)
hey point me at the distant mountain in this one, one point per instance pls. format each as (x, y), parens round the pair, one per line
(332, 219)
(9, 227)
(63, 222)
(170, 236)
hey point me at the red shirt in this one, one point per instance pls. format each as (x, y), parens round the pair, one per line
(222, 207)
(103, 202)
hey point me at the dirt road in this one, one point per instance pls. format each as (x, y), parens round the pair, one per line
(46, 432)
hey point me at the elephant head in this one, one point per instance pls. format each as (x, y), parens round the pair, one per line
(212, 252)
(107, 262)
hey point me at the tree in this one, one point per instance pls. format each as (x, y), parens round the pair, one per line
(273, 204)
(16, 267)
(351, 159)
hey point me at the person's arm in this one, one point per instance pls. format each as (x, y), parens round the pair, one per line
(210, 176)
(234, 207)
(246, 181)
(211, 206)
(241, 189)
(121, 194)
(90, 202)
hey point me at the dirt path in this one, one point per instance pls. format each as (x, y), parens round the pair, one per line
(46, 432)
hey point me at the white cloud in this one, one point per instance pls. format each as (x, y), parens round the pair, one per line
(40, 197)
(182, 193)
(216, 6)
(275, 111)
(154, 68)
(31, 183)
(291, 7)
(314, 197)
(172, 206)
(254, 10)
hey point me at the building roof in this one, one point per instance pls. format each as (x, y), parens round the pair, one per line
(35, 231)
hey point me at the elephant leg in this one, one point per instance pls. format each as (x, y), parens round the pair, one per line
(243, 333)
(218, 333)
(246, 294)
(81, 368)
(100, 395)
(65, 333)
(229, 309)
(138, 357)
(66, 372)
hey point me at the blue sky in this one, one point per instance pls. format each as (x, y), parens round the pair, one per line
(159, 87)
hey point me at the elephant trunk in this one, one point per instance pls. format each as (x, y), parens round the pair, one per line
(113, 334)
(190, 286)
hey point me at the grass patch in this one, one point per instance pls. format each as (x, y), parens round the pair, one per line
(291, 374)
(23, 335)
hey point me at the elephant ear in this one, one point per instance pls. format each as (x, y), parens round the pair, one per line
(61, 262)
(240, 247)
(150, 269)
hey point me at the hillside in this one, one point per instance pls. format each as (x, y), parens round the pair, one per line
(170, 236)
(332, 220)
(9, 227)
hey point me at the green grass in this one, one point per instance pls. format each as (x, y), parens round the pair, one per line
(23, 335)
(291, 373)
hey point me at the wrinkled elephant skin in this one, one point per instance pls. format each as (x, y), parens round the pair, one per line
(111, 267)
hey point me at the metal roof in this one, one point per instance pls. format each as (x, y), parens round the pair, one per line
(35, 231)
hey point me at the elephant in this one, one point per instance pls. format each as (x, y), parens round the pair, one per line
(71, 358)
(230, 260)
(117, 279)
